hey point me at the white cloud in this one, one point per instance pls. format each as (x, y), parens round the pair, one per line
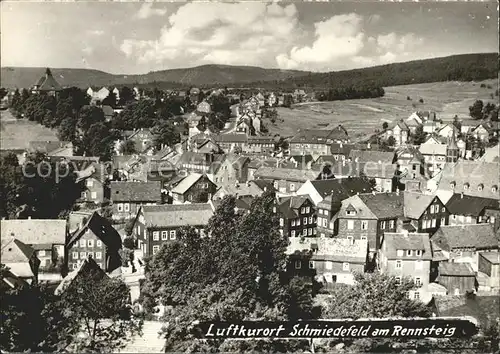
(199, 33)
(95, 32)
(262, 34)
(147, 11)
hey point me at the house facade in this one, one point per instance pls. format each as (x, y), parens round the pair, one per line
(317, 141)
(467, 209)
(297, 216)
(194, 188)
(128, 197)
(457, 278)
(155, 226)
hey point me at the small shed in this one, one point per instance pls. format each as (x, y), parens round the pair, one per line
(457, 278)
(489, 264)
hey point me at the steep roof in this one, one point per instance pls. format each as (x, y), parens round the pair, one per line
(177, 215)
(455, 270)
(478, 236)
(35, 231)
(492, 257)
(329, 249)
(48, 83)
(372, 156)
(135, 191)
(344, 187)
(287, 174)
(289, 206)
(187, 183)
(14, 251)
(462, 204)
(384, 205)
(102, 228)
(416, 203)
(392, 242)
(241, 189)
(318, 136)
(87, 267)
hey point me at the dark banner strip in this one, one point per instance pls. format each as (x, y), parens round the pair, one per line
(376, 328)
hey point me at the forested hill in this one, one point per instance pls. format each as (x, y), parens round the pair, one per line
(466, 67)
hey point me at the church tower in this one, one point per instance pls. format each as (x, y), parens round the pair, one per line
(452, 150)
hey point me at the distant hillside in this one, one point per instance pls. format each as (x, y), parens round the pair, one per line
(466, 67)
(206, 75)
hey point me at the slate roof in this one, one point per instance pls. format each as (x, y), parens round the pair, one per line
(289, 206)
(318, 136)
(477, 236)
(15, 251)
(240, 189)
(474, 173)
(177, 215)
(384, 205)
(329, 249)
(135, 191)
(455, 270)
(48, 83)
(265, 185)
(287, 174)
(187, 183)
(372, 156)
(392, 242)
(416, 203)
(342, 188)
(461, 204)
(102, 229)
(35, 231)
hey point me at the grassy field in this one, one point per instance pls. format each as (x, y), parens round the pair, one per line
(16, 134)
(362, 117)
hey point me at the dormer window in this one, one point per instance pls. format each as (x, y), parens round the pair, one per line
(351, 212)
(452, 185)
(480, 187)
(494, 189)
(418, 253)
(466, 186)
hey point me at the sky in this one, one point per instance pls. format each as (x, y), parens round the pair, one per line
(135, 38)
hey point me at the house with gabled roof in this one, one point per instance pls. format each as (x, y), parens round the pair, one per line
(47, 84)
(261, 144)
(457, 278)
(245, 189)
(372, 156)
(127, 197)
(462, 243)
(297, 216)
(317, 141)
(468, 209)
(96, 239)
(87, 269)
(317, 190)
(285, 180)
(231, 142)
(229, 170)
(52, 148)
(327, 260)
(46, 237)
(193, 188)
(155, 226)
(400, 132)
(407, 255)
(489, 270)
(94, 181)
(20, 259)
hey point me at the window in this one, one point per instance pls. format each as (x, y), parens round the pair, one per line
(417, 295)
(156, 235)
(409, 252)
(281, 232)
(331, 225)
(304, 221)
(82, 243)
(363, 238)
(311, 264)
(468, 219)
(399, 253)
(308, 210)
(325, 212)
(75, 255)
(398, 264)
(433, 223)
(292, 233)
(99, 243)
(418, 253)
(325, 222)
(83, 255)
(164, 235)
(418, 281)
(350, 212)
(398, 280)
(298, 264)
(90, 254)
(302, 210)
(90, 243)
(364, 225)
(350, 224)
(93, 195)
(321, 211)
(293, 222)
(172, 234)
(292, 187)
(75, 265)
(84, 195)
(298, 222)
(443, 209)
(345, 266)
(391, 224)
(281, 222)
(408, 295)
(443, 221)
(126, 207)
(382, 225)
(119, 206)
(461, 218)
(156, 249)
(41, 253)
(432, 209)
(311, 220)
(310, 231)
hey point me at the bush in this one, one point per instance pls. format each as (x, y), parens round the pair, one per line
(129, 243)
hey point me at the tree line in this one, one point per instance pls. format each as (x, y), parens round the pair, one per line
(349, 93)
